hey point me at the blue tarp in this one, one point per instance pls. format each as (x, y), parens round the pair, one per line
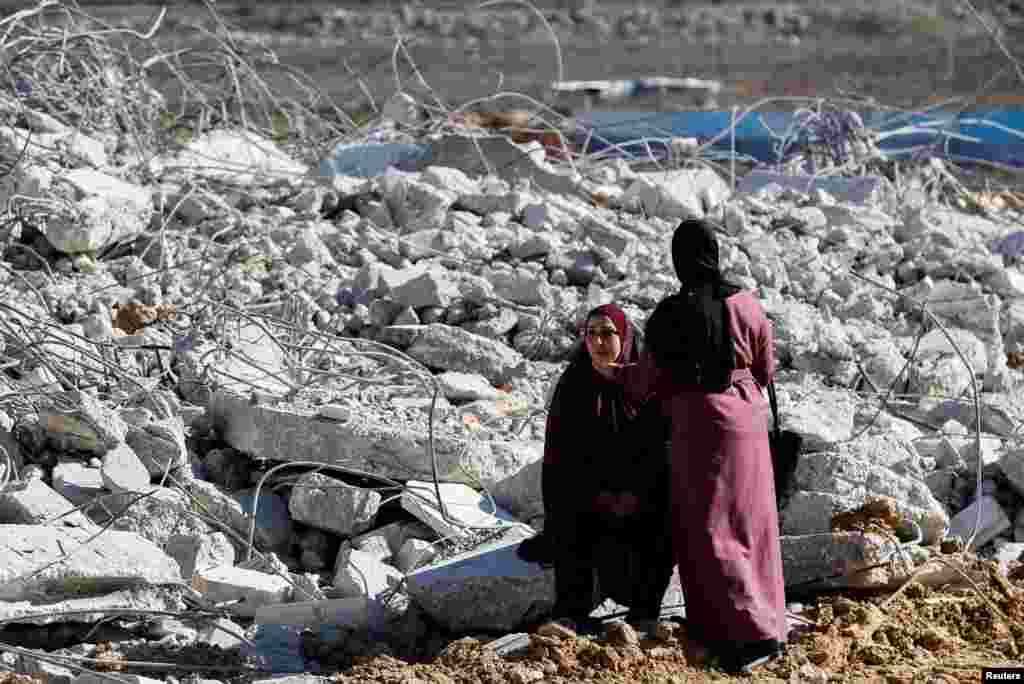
(758, 134)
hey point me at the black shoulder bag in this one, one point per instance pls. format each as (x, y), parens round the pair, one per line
(785, 447)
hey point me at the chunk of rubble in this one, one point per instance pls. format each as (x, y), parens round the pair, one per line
(273, 526)
(42, 560)
(452, 349)
(358, 573)
(239, 157)
(107, 210)
(195, 553)
(92, 608)
(464, 508)
(857, 479)
(487, 589)
(987, 514)
(676, 194)
(32, 502)
(496, 154)
(839, 560)
(160, 445)
(864, 190)
(243, 590)
(329, 504)
(77, 482)
(367, 442)
(123, 472)
(456, 386)
(78, 421)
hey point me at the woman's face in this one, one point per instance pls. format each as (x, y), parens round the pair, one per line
(603, 341)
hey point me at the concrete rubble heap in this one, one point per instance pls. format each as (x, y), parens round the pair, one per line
(257, 429)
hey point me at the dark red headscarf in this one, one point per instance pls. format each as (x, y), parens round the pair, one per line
(618, 318)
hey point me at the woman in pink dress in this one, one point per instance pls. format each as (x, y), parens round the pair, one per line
(708, 354)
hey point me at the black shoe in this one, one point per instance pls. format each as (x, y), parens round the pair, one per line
(537, 549)
(741, 659)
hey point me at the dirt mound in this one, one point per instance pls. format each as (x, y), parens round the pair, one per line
(916, 629)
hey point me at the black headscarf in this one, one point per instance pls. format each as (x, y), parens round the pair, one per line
(689, 333)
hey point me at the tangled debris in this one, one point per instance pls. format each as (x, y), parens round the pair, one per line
(257, 419)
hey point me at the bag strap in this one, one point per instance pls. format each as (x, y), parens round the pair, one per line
(775, 406)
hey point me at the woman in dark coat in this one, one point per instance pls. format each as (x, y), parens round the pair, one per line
(603, 482)
(708, 355)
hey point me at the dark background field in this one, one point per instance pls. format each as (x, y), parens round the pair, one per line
(900, 53)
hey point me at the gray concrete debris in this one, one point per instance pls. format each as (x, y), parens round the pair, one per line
(464, 508)
(243, 591)
(452, 349)
(195, 553)
(160, 445)
(273, 526)
(368, 442)
(78, 483)
(675, 194)
(488, 589)
(461, 387)
(156, 514)
(988, 514)
(838, 560)
(358, 573)
(486, 155)
(329, 504)
(47, 611)
(107, 210)
(857, 479)
(860, 190)
(123, 472)
(32, 502)
(119, 559)
(78, 421)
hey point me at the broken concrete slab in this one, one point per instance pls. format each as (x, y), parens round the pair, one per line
(358, 573)
(858, 190)
(329, 504)
(493, 154)
(93, 608)
(123, 472)
(463, 506)
(838, 560)
(520, 493)
(488, 589)
(77, 421)
(32, 502)
(97, 678)
(356, 612)
(159, 444)
(676, 194)
(414, 553)
(108, 210)
(199, 552)
(992, 522)
(466, 386)
(244, 590)
(35, 562)
(449, 348)
(811, 513)
(160, 514)
(366, 442)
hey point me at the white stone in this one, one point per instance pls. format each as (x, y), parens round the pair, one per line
(463, 505)
(244, 590)
(123, 472)
(676, 194)
(29, 566)
(358, 573)
(200, 552)
(78, 483)
(108, 210)
(415, 553)
(32, 502)
(329, 504)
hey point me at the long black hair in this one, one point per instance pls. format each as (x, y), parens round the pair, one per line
(689, 333)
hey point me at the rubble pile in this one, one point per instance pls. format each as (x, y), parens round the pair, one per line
(258, 417)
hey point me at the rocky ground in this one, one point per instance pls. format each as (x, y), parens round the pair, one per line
(257, 420)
